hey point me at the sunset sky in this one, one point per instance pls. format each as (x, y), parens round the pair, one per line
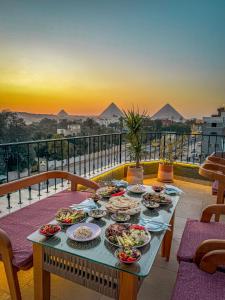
(82, 55)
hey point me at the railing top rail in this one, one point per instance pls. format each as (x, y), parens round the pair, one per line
(57, 140)
(105, 134)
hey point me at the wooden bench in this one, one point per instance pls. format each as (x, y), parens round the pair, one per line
(15, 250)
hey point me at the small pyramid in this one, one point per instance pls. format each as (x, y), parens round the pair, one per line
(167, 112)
(112, 111)
(62, 114)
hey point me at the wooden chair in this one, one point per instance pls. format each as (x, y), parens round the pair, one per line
(200, 237)
(6, 249)
(201, 256)
(215, 172)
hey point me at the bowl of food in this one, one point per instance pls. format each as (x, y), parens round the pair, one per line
(120, 217)
(150, 204)
(157, 188)
(83, 232)
(128, 255)
(49, 229)
(96, 197)
(97, 213)
(127, 235)
(136, 189)
(68, 216)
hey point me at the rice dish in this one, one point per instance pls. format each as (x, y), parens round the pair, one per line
(82, 232)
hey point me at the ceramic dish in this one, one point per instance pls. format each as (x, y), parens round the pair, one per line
(68, 216)
(93, 231)
(120, 217)
(49, 229)
(127, 235)
(136, 189)
(97, 213)
(128, 255)
(150, 204)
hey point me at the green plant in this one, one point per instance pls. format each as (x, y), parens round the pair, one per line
(170, 147)
(133, 121)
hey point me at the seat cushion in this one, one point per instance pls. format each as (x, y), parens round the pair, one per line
(19, 224)
(194, 284)
(215, 188)
(196, 232)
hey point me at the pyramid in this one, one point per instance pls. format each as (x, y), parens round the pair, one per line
(167, 112)
(62, 114)
(112, 111)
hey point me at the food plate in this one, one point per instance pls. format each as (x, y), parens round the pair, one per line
(97, 213)
(136, 189)
(109, 190)
(94, 228)
(120, 217)
(150, 204)
(158, 198)
(123, 204)
(127, 235)
(68, 216)
(49, 230)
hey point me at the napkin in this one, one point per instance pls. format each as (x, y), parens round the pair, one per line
(120, 183)
(85, 205)
(171, 190)
(154, 224)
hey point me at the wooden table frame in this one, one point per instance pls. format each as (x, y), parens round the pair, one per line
(129, 282)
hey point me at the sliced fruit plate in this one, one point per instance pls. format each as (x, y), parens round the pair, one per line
(127, 235)
(128, 255)
(68, 216)
(49, 229)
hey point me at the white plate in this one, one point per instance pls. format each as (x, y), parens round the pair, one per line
(130, 189)
(96, 231)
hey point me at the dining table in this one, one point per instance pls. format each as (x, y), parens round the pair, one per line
(93, 264)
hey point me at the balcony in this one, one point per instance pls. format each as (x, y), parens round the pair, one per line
(104, 158)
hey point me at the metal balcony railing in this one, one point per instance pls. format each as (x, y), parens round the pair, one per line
(89, 155)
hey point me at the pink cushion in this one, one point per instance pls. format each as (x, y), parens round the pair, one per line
(215, 188)
(194, 284)
(18, 225)
(196, 232)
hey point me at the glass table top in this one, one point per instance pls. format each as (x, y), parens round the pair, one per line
(101, 251)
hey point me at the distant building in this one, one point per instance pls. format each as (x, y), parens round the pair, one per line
(168, 113)
(111, 114)
(213, 129)
(71, 130)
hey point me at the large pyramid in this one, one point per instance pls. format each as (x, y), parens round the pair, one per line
(167, 112)
(112, 111)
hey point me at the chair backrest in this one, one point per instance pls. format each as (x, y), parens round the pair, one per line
(16, 185)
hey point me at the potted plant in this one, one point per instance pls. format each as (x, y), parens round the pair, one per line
(171, 148)
(133, 121)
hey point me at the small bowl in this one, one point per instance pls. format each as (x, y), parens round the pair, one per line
(138, 253)
(48, 234)
(97, 213)
(150, 204)
(117, 217)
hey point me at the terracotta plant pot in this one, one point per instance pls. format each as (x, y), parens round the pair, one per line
(165, 173)
(135, 175)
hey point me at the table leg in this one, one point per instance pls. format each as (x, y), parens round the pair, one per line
(167, 240)
(41, 277)
(128, 286)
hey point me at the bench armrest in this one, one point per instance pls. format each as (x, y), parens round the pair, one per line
(212, 260)
(213, 171)
(31, 180)
(214, 209)
(206, 247)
